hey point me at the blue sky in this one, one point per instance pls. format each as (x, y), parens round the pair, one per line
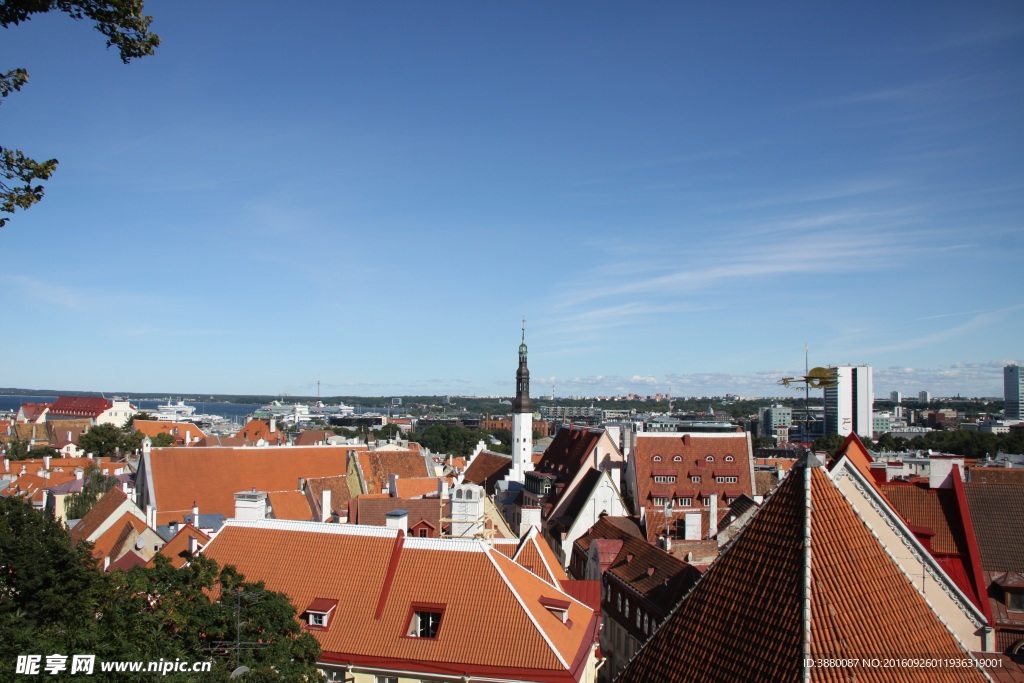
(677, 196)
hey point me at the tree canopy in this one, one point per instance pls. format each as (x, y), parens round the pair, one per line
(55, 600)
(125, 26)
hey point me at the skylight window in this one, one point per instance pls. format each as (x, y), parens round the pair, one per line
(424, 621)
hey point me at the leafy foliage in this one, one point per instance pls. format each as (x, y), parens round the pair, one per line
(54, 599)
(449, 439)
(94, 485)
(162, 440)
(17, 449)
(125, 27)
(106, 441)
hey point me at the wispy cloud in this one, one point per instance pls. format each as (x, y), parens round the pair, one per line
(42, 292)
(976, 323)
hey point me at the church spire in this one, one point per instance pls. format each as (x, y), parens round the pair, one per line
(522, 403)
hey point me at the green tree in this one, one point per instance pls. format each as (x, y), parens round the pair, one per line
(19, 450)
(763, 442)
(162, 440)
(829, 443)
(104, 440)
(94, 485)
(125, 27)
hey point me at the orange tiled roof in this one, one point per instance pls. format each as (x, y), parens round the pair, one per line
(111, 542)
(312, 437)
(416, 487)
(33, 411)
(748, 618)
(211, 476)
(290, 505)
(933, 509)
(378, 465)
(487, 469)
(176, 549)
(179, 430)
(254, 430)
(656, 455)
(536, 555)
(377, 594)
(337, 485)
(93, 519)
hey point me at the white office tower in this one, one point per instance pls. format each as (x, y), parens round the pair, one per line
(1013, 392)
(522, 420)
(896, 397)
(848, 405)
(924, 397)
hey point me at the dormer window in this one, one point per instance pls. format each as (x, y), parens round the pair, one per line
(656, 458)
(424, 620)
(558, 608)
(677, 458)
(318, 614)
(710, 458)
(729, 458)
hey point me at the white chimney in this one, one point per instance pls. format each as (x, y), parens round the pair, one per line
(941, 471)
(106, 562)
(69, 437)
(188, 436)
(79, 473)
(691, 526)
(325, 505)
(442, 488)
(195, 514)
(193, 545)
(713, 516)
(392, 485)
(151, 516)
(273, 425)
(46, 461)
(7, 464)
(398, 519)
(251, 504)
(89, 455)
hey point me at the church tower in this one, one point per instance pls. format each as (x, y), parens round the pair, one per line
(522, 419)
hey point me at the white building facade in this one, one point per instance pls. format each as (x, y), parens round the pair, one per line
(848, 405)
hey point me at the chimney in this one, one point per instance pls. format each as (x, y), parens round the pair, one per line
(713, 516)
(89, 455)
(195, 514)
(442, 488)
(106, 562)
(302, 483)
(325, 505)
(188, 436)
(691, 526)
(273, 425)
(7, 464)
(172, 527)
(193, 545)
(668, 544)
(392, 485)
(69, 437)
(46, 462)
(398, 519)
(250, 505)
(151, 516)
(79, 473)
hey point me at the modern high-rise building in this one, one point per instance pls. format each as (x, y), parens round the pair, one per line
(1013, 392)
(848, 405)
(924, 397)
(896, 397)
(773, 418)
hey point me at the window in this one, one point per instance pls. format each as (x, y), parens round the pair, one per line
(729, 458)
(658, 500)
(422, 533)
(638, 618)
(385, 679)
(695, 479)
(317, 619)
(656, 458)
(424, 623)
(677, 458)
(1015, 601)
(705, 501)
(619, 602)
(686, 502)
(664, 479)
(710, 458)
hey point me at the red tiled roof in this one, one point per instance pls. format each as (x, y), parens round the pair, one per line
(748, 618)
(176, 549)
(659, 451)
(337, 485)
(290, 505)
(127, 561)
(996, 475)
(996, 512)
(33, 411)
(312, 437)
(179, 430)
(212, 476)
(378, 593)
(112, 541)
(487, 469)
(372, 510)
(536, 555)
(104, 507)
(80, 406)
(416, 487)
(254, 430)
(378, 465)
(934, 509)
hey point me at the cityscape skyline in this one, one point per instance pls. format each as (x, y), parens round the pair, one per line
(677, 199)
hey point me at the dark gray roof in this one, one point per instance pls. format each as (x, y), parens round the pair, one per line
(997, 515)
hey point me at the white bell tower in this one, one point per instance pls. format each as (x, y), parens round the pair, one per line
(522, 419)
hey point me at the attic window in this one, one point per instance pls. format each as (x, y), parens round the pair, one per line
(318, 614)
(424, 620)
(559, 608)
(1015, 601)
(656, 458)
(710, 458)
(677, 458)
(729, 458)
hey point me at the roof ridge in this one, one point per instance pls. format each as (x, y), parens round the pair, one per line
(805, 583)
(522, 603)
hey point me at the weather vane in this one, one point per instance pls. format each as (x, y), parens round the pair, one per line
(815, 378)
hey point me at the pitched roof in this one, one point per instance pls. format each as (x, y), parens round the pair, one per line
(685, 455)
(487, 469)
(996, 475)
(178, 430)
(255, 430)
(416, 487)
(104, 507)
(176, 549)
(33, 411)
(536, 555)
(377, 465)
(933, 509)
(111, 542)
(573, 505)
(80, 406)
(609, 527)
(312, 437)
(63, 432)
(656, 575)
(569, 451)
(290, 505)
(996, 513)
(373, 510)
(127, 561)
(337, 485)
(484, 598)
(806, 578)
(211, 476)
